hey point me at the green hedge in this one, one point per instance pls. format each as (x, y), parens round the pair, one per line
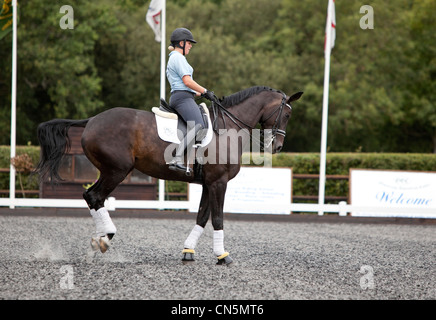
(340, 163)
(5, 154)
(337, 164)
(29, 182)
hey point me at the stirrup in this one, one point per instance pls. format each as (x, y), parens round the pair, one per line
(179, 167)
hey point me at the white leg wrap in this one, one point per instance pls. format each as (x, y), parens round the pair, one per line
(193, 237)
(218, 242)
(103, 222)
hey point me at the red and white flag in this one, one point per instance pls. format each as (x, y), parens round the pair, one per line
(331, 19)
(153, 17)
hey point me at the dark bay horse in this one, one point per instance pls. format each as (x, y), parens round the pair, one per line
(120, 139)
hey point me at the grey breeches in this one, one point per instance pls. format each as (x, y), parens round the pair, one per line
(183, 102)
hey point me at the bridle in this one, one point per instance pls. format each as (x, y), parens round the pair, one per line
(278, 120)
(218, 109)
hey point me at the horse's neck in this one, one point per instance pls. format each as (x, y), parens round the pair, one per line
(249, 112)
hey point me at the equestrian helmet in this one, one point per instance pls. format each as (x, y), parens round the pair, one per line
(182, 34)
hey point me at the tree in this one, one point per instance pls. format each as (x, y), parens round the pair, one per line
(420, 107)
(382, 80)
(57, 76)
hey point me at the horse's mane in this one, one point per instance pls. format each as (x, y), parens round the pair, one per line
(240, 96)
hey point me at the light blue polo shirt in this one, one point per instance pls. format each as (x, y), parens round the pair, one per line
(177, 68)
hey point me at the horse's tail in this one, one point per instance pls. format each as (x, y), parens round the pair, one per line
(54, 143)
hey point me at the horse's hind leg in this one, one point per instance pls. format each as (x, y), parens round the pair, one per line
(95, 197)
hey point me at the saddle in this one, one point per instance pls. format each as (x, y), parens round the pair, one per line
(171, 112)
(171, 124)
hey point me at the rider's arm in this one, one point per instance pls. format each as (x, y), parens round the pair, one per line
(191, 84)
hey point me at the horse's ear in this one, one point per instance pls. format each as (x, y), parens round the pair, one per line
(295, 96)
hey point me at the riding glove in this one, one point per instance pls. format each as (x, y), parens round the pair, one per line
(209, 95)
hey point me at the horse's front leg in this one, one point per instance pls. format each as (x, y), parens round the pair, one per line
(202, 217)
(217, 193)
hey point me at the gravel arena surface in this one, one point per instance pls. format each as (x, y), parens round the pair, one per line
(49, 257)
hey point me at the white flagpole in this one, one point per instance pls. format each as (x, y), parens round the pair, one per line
(162, 78)
(13, 104)
(322, 161)
(162, 49)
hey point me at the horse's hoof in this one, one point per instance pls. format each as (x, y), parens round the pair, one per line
(104, 243)
(188, 256)
(94, 244)
(225, 260)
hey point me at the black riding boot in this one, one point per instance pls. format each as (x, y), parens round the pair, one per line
(187, 142)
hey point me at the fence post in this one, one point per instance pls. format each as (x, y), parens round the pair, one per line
(342, 208)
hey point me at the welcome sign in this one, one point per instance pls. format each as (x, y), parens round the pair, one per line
(413, 193)
(253, 190)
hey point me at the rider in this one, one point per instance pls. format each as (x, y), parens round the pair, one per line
(183, 90)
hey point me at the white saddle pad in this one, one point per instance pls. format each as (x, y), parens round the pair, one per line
(167, 126)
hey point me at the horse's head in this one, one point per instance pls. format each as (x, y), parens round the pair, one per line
(275, 117)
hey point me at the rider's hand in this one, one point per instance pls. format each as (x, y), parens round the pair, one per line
(209, 95)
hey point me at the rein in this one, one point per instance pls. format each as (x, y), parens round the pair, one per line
(217, 107)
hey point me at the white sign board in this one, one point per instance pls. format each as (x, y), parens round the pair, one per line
(253, 190)
(394, 189)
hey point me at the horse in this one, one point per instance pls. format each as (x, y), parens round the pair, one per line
(120, 139)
